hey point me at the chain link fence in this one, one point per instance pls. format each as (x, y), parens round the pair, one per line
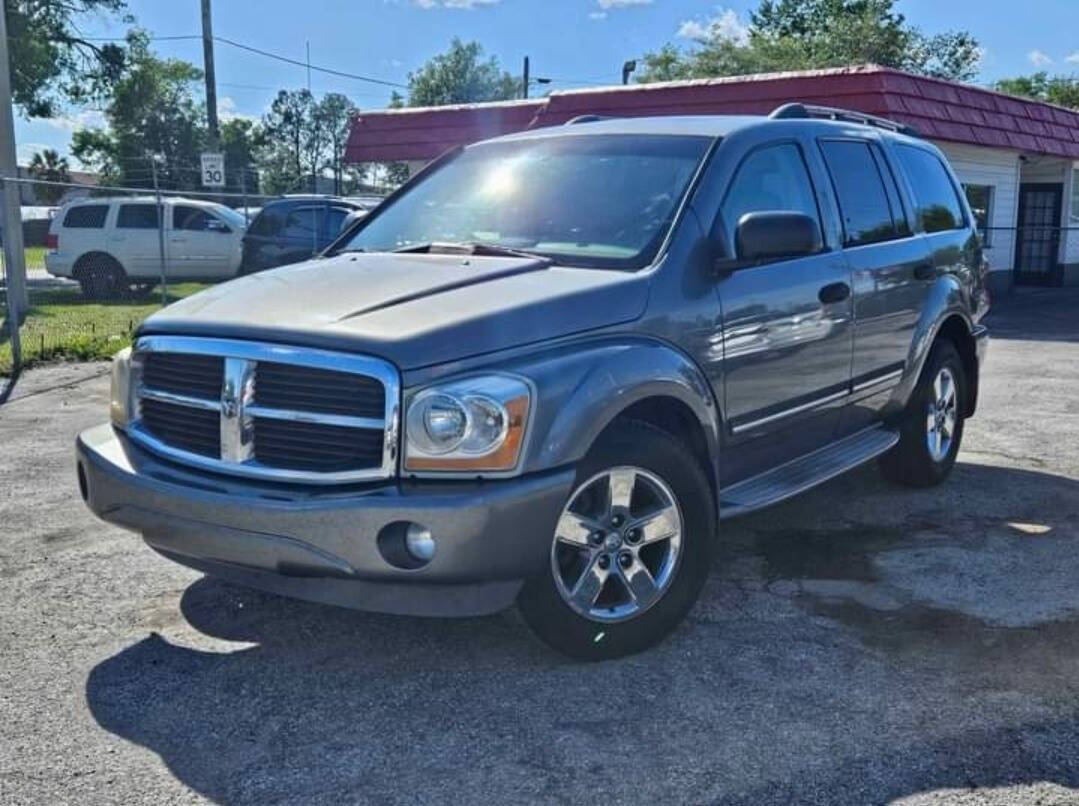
(99, 260)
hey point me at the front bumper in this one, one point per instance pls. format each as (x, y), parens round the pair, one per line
(323, 544)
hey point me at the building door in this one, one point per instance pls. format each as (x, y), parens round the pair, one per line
(1037, 243)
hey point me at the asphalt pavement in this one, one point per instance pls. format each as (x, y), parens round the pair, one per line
(860, 644)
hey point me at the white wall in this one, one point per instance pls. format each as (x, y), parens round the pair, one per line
(1000, 169)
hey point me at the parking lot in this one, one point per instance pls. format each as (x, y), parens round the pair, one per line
(860, 644)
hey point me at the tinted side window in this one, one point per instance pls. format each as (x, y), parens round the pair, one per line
(267, 223)
(899, 213)
(335, 217)
(86, 216)
(301, 224)
(137, 216)
(859, 187)
(190, 218)
(772, 178)
(935, 196)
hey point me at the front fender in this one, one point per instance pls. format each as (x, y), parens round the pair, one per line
(584, 386)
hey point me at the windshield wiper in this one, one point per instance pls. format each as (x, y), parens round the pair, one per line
(469, 248)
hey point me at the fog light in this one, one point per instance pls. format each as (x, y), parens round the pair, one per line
(419, 542)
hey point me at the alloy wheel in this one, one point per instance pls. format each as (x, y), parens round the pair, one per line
(941, 415)
(617, 544)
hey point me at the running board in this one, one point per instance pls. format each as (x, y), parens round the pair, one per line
(799, 475)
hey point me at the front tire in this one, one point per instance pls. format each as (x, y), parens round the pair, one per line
(631, 551)
(932, 425)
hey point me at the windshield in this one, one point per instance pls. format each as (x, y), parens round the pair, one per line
(602, 201)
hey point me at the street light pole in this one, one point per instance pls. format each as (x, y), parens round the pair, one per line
(524, 80)
(14, 256)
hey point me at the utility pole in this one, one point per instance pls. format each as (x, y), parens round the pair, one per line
(160, 233)
(14, 256)
(211, 78)
(524, 81)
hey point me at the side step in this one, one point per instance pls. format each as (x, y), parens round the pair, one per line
(799, 475)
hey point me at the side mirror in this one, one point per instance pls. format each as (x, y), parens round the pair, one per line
(775, 234)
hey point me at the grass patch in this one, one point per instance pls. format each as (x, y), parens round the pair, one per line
(35, 257)
(63, 325)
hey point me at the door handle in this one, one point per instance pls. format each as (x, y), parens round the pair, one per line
(925, 271)
(178, 240)
(833, 292)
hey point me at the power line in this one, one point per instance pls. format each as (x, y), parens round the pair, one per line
(298, 63)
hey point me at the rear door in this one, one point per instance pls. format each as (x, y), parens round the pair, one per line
(135, 240)
(301, 234)
(202, 242)
(335, 218)
(891, 270)
(786, 324)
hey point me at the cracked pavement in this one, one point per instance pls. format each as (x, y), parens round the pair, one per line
(858, 644)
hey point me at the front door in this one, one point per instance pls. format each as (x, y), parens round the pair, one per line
(200, 243)
(787, 334)
(1037, 245)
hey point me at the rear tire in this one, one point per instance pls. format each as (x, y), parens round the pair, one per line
(101, 277)
(932, 426)
(640, 529)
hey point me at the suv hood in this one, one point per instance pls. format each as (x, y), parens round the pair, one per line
(413, 309)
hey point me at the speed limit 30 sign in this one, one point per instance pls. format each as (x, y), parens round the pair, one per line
(213, 170)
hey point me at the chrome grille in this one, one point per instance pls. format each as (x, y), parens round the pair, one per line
(286, 386)
(184, 374)
(264, 410)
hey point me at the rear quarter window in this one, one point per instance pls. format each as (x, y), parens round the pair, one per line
(86, 216)
(936, 198)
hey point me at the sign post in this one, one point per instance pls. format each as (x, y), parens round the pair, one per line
(213, 170)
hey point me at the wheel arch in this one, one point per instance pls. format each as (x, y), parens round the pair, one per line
(584, 390)
(955, 329)
(82, 261)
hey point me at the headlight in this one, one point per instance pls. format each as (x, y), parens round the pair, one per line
(477, 424)
(120, 395)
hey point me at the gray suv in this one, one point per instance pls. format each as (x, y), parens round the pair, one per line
(546, 368)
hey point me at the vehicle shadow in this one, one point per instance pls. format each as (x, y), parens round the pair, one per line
(814, 669)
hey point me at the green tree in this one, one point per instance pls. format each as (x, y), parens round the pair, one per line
(461, 76)
(1060, 90)
(333, 115)
(153, 111)
(49, 166)
(51, 61)
(803, 34)
(290, 131)
(243, 142)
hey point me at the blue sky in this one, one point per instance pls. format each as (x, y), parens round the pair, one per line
(575, 42)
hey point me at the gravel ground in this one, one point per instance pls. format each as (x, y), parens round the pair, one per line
(860, 644)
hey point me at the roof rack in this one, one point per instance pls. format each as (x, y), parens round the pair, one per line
(796, 111)
(586, 119)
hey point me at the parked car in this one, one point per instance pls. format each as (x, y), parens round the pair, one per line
(548, 369)
(296, 228)
(111, 245)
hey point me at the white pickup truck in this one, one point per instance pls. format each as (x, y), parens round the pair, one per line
(113, 244)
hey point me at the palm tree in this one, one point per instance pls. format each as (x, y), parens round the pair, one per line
(49, 166)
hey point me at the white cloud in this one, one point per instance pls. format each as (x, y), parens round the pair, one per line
(1038, 58)
(724, 24)
(598, 15)
(468, 5)
(84, 119)
(622, 3)
(226, 109)
(1073, 59)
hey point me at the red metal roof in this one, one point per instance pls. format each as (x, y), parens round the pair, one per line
(940, 110)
